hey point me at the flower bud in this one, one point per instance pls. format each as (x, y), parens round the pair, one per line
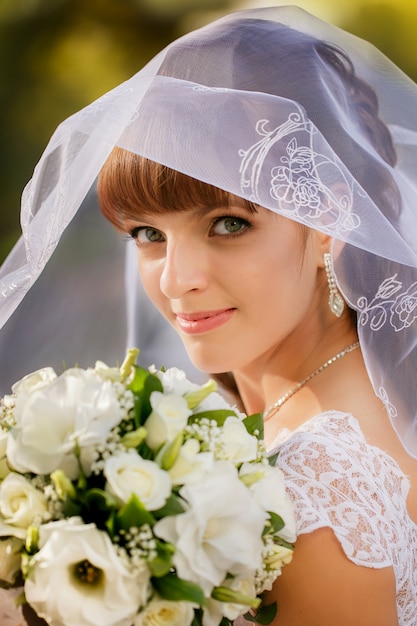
(63, 485)
(195, 397)
(225, 594)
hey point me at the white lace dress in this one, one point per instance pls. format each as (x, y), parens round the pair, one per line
(338, 480)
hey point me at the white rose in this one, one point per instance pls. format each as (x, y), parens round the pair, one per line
(220, 533)
(10, 559)
(20, 505)
(128, 473)
(269, 492)
(191, 464)
(76, 410)
(77, 578)
(168, 418)
(161, 612)
(235, 443)
(36, 380)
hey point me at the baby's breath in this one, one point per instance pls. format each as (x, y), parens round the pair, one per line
(136, 546)
(265, 575)
(7, 406)
(113, 444)
(206, 431)
(55, 505)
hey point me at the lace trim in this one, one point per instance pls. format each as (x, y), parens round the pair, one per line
(338, 480)
(298, 182)
(393, 303)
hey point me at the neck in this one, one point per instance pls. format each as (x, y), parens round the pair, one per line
(277, 371)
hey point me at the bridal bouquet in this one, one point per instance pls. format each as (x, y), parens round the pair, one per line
(133, 497)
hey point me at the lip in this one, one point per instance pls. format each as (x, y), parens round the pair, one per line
(203, 321)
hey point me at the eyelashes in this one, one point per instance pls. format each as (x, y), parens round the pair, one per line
(229, 226)
(223, 226)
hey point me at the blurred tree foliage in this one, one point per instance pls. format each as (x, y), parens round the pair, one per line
(56, 56)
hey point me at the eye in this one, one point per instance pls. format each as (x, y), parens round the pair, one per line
(146, 234)
(230, 225)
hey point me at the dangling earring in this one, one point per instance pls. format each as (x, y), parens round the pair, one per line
(336, 302)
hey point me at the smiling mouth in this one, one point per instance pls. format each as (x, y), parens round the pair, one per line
(203, 321)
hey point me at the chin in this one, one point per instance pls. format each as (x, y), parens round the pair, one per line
(211, 360)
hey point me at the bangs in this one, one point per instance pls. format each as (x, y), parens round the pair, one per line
(129, 185)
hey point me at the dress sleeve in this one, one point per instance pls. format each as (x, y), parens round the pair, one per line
(337, 480)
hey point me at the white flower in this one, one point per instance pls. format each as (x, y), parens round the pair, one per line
(20, 505)
(269, 492)
(75, 410)
(215, 402)
(128, 473)
(160, 612)
(220, 533)
(77, 579)
(174, 381)
(36, 380)
(191, 464)
(10, 559)
(235, 443)
(108, 373)
(168, 418)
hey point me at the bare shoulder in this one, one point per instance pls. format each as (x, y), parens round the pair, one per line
(321, 587)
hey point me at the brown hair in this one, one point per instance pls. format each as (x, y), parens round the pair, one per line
(129, 183)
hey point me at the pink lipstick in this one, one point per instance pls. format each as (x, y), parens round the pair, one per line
(203, 321)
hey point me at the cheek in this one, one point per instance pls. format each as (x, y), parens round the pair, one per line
(150, 274)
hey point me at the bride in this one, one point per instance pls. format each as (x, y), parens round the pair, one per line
(262, 167)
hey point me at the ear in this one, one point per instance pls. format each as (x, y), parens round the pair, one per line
(322, 243)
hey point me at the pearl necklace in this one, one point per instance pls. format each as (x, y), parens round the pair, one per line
(278, 404)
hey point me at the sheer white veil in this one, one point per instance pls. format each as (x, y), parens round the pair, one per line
(280, 108)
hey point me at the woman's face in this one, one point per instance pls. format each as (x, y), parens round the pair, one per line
(234, 284)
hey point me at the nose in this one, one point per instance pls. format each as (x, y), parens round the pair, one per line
(185, 268)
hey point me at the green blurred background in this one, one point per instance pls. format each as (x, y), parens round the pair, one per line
(56, 56)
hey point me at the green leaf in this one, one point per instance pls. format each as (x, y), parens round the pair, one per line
(172, 588)
(162, 564)
(286, 544)
(198, 618)
(173, 506)
(142, 385)
(264, 615)
(110, 524)
(277, 522)
(71, 508)
(255, 424)
(133, 514)
(219, 416)
(100, 500)
(272, 460)
(145, 452)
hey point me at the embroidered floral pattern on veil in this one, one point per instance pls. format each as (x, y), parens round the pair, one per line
(298, 182)
(392, 303)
